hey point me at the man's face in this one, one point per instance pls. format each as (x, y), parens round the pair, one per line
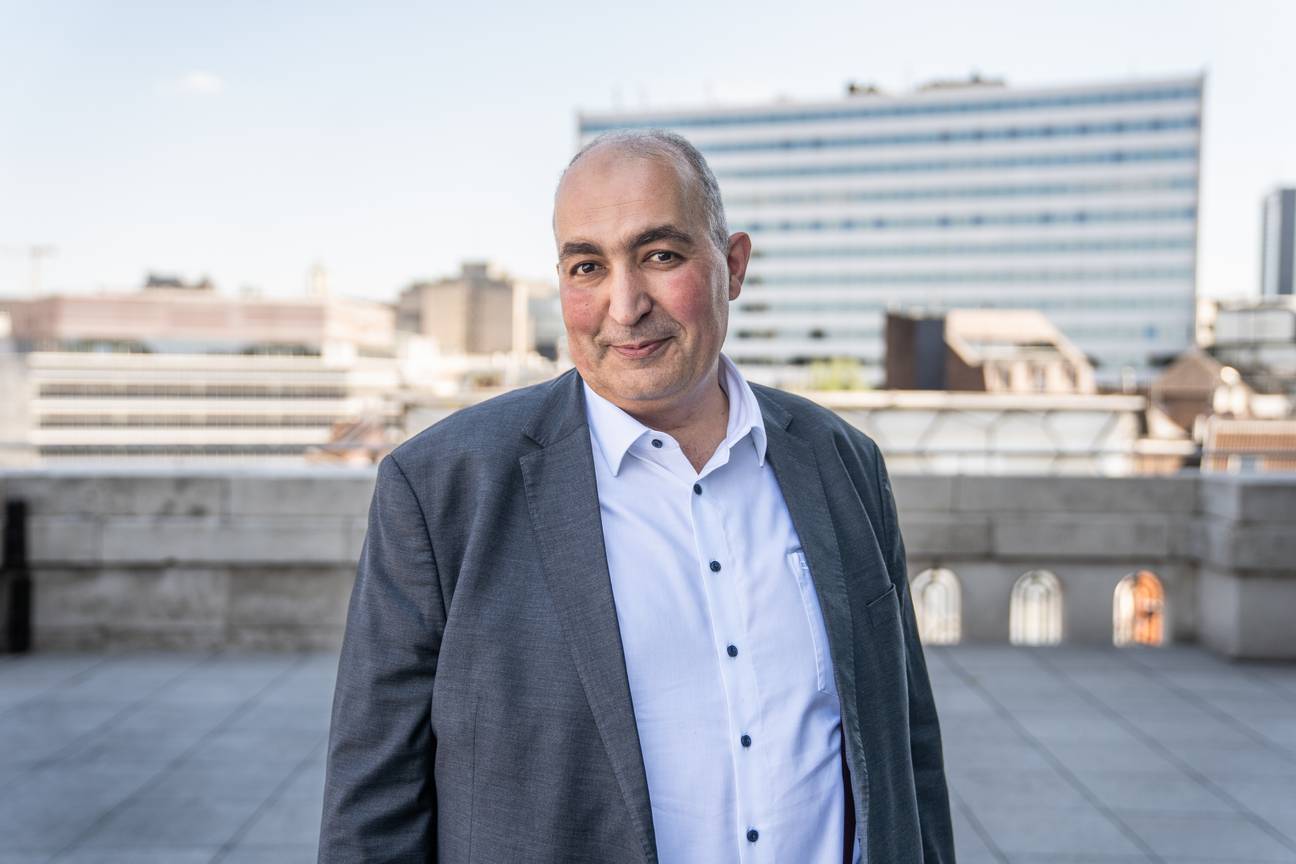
(645, 292)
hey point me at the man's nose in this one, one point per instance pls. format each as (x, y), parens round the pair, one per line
(629, 300)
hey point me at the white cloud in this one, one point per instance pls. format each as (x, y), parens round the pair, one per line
(200, 83)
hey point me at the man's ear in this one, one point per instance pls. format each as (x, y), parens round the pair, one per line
(740, 247)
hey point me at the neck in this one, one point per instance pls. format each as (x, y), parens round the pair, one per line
(698, 421)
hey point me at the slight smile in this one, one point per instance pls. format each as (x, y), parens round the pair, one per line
(639, 350)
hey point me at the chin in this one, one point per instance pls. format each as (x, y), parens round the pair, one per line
(643, 387)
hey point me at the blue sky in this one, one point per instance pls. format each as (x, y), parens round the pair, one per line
(392, 140)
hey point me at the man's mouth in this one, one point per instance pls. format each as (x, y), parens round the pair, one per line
(639, 350)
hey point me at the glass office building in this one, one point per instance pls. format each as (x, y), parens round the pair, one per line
(1079, 201)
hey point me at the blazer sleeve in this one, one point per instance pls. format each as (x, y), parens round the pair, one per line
(379, 794)
(924, 728)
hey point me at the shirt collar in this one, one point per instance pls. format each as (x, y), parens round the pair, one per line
(615, 432)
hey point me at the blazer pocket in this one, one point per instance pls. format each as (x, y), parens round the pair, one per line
(888, 650)
(887, 601)
(813, 615)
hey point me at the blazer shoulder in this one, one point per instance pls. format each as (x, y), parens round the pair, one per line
(815, 419)
(493, 428)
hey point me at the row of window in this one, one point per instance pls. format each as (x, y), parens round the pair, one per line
(959, 136)
(1018, 247)
(1035, 608)
(1078, 303)
(934, 193)
(1030, 160)
(189, 391)
(183, 421)
(813, 333)
(100, 450)
(865, 110)
(1104, 332)
(974, 220)
(1113, 274)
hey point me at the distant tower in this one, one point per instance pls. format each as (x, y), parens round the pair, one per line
(1278, 254)
(318, 280)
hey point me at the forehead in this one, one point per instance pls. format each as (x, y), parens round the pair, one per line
(610, 193)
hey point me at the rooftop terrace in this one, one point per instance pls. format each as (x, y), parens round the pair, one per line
(1065, 754)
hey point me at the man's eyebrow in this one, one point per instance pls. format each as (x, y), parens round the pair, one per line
(659, 233)
(582, 247)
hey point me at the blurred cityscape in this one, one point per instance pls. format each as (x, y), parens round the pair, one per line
(984, 278)
(1093, 465)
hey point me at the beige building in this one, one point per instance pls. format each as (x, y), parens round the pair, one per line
(987, 350)
(471, 313)
(178, 373)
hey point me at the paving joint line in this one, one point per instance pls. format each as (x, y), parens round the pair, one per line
(978, 828)
(273, 798)
(60, 684)
(1211, 708)
(126, 710)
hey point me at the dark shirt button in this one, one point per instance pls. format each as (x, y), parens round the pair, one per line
(697, 488)
(752, 834)
(715, 566)
(657, 442)
(733, 650)
(746, 740)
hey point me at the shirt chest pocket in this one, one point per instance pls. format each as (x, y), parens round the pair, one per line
(796, 562)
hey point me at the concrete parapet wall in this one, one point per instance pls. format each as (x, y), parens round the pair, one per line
(249, 559)
(265, 558)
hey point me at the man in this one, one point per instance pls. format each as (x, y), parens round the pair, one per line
(642, 612)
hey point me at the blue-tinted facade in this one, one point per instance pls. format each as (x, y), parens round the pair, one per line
(1078, 201)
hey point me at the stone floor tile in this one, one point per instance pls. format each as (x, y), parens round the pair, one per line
(287, 821)
(1053, 830)
(129, 746)
(225, 758)
(236, 780)
(50, 808)
(139, 855)
(1246, 761)
(308, 782)
(39, 729)
(126, 679)
(1177, 837)
(1195, 729)
(194, 819)
(998, 789)
(298, 854)
(1089, 859)
(1133, 755)
(308, 715)
(1009, 757)
(1074, 727)
(1156, 791)
(270, 745)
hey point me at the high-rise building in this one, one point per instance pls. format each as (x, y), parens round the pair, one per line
(1278, 254)
(1079, 201)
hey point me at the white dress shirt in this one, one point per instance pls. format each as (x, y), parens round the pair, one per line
(724, 642)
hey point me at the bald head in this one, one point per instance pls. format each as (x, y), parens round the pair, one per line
(699, 183)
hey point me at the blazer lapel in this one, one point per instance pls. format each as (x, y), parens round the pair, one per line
(562, 496)
(796, 467)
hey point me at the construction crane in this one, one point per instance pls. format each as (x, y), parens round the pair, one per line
(35, 254)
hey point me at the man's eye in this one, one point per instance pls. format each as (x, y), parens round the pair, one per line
(663, 256)
(584, 268)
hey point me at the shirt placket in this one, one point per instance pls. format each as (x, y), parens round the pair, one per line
(721, 572)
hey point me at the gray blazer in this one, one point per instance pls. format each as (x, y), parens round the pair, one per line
(482, 710)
